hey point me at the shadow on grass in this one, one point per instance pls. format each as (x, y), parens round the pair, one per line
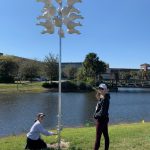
(71, 148)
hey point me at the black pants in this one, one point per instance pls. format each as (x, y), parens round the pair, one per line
(35, 144)
(102, 128)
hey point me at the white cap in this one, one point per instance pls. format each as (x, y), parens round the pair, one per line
(103, 86)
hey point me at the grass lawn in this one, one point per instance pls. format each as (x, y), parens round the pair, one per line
(122, 137)
(23, 87)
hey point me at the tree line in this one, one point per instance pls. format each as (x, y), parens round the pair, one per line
(17, 69)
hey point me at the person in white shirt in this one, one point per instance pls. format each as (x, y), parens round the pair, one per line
(34, 141)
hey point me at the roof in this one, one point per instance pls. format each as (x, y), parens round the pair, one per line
(145, 64)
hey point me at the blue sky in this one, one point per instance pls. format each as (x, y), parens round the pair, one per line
(118, 31)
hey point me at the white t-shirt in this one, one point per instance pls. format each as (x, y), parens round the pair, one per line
(36, 129)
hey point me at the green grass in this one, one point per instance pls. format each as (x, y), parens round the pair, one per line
(122, 137)
(23, 87)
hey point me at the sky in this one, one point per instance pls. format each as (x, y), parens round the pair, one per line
(118, 31)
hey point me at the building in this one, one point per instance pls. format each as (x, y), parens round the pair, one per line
(72, 64)
(145, 66)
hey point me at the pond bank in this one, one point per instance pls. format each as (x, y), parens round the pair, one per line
(22, 88)
(37, 87)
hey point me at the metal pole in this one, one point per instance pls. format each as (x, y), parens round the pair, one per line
(59, 102)
(49, 24)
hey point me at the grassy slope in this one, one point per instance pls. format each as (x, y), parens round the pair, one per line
(122, 137)
(25, 87)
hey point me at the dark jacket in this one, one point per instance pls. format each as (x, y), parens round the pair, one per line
(102, 107)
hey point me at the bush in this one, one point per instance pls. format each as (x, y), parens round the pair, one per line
(90, 81)
(6, 79)
(69, 86)
(50, 85)
(54, 85)
(89, 87)
(82, 86)
(46, 85)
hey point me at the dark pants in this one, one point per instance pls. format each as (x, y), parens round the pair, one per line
(102, 128)
(35, 144)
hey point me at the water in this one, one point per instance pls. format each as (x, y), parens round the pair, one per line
(18, 111)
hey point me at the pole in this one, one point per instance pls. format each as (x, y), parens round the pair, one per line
(49, 14)
(59, 99)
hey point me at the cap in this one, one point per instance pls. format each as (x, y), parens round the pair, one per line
(40, 115)
(102, 86)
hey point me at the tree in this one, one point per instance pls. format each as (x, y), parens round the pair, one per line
(70, 72)
(93, 66)
(144, 74)
(8, 69)
(127, 76)
(81, 74)
(29, 70)
(51, 67)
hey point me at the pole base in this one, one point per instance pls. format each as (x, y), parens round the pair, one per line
(63, 145)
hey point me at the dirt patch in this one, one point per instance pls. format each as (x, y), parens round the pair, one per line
(63, 145)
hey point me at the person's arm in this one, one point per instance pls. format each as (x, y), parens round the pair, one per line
(105, 107)
(45, 132)
(98, 95)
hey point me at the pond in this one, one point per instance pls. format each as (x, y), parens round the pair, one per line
(18, 111)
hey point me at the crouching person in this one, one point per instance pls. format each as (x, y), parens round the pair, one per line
(34, 141)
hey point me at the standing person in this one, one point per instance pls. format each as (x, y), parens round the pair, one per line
(101, 115)
(34, 141)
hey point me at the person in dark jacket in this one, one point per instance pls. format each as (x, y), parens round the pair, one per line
(101, 115)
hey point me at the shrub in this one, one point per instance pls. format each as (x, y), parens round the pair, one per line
(6, 79)
(90, 81)
(54, 85)
(50, 85)
(82, 86)
(69, 86)
(46, 85)
(89, 87)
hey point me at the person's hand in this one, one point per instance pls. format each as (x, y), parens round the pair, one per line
(98, 91)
